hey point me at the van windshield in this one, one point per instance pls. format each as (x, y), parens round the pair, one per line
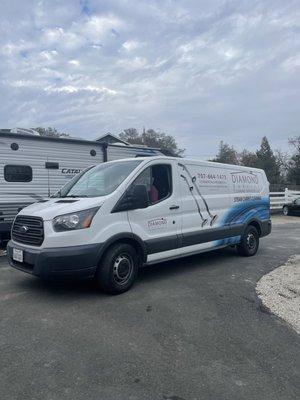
(98, 181)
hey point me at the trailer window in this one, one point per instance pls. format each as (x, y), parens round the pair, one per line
(17, 173)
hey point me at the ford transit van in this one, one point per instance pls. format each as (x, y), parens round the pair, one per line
(117, 216)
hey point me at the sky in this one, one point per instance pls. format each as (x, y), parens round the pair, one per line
(202, 71)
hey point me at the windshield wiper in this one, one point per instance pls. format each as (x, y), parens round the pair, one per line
(55, 195)
(75, 196)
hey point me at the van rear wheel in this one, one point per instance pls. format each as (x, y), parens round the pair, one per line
(249, 242)
(118, 269)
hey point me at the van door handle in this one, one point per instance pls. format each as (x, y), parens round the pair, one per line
(174, 207)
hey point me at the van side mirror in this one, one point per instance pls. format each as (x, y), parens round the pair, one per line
(139, 196)
(134, 198)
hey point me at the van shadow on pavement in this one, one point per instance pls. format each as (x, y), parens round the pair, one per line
(147, 274)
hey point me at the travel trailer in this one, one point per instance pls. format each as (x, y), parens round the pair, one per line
(34, 167)
(112, 218)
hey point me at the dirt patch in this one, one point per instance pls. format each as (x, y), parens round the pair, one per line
(279, 291)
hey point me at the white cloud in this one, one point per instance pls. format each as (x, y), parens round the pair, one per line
(9, 49)
(62, 38)
(199, 70)
(76, 63)
(131, 45)
(53, 35)
(48, 55)
(229, 53)
(97, 27)
(292, 63)
(74, 89)
(22, 83)
(133, 64)
(14, 48)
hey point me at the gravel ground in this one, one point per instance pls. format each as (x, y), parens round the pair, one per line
(280, 291)
(190, 329)
(279, 219)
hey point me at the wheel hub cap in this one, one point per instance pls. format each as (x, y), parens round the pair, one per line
(122, 269)
(251, 242)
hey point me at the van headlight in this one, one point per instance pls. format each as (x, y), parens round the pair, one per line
(73, 221)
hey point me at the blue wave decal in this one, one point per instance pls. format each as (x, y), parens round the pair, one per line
(240, 213)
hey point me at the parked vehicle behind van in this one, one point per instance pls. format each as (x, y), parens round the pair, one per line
(292, 208)
(114, 217)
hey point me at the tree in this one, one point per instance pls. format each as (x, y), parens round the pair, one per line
(248, 159)
(293, 174)
(131, 135)
(226, 154)
(151, 138)
(267, 161)
(282, 160)
(52, 132)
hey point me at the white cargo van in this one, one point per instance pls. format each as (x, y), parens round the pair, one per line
(114, 217)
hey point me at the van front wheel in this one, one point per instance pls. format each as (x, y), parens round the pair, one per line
(249, 242)
(118, 269)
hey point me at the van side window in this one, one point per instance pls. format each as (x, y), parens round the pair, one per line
(17, 173)
(158, 180)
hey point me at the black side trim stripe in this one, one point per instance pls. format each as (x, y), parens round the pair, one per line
(188, 239)
(162, 244)
(237, 229)
(208, 235)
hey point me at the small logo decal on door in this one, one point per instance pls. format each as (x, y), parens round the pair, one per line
(157, 223)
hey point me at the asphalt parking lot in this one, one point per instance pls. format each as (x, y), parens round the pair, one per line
(190, 329)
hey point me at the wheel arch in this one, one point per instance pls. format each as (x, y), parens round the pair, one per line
(128, 238)
(256, 224)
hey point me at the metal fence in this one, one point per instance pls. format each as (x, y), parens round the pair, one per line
(278, 199)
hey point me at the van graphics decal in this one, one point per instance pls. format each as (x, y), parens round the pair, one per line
(254, 207)
(245, 182)
(246, 198)
(241, 186)
(157, 223)
(191, 182)
(211, 179)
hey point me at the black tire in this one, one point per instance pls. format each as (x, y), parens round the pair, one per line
(285, 210)
(118, 269)
(249, 242)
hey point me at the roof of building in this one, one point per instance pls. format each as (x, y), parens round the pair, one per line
(8, 133)
(106, 136)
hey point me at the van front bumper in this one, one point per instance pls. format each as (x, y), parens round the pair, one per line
(74, 261)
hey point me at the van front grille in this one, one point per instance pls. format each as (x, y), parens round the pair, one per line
(28, 230)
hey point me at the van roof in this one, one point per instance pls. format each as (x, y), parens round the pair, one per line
(193, 161)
